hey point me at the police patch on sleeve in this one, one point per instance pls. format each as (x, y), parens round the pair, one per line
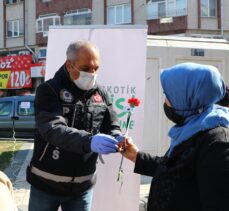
(97, 99)
(66, 96)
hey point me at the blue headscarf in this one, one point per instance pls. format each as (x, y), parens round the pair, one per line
(193, 89)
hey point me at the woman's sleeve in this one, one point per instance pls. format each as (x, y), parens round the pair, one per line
(146, 164)
(212, 170)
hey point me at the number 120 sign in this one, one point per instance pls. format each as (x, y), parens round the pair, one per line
(15, 79)
(15, 72)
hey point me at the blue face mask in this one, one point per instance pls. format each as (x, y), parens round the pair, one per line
(173, 116)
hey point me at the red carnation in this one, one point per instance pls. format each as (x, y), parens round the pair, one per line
(122, 146)
(133, 102)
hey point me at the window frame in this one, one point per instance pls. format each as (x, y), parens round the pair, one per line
(13, 28)
(115, 14)
(168, 11)
(42, 18)
(208, 10)
(7, 2)
(77, 12)
(39, 55)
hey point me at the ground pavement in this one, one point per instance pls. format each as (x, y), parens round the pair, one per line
(17, 173)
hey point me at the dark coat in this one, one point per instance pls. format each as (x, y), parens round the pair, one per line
(66, 119)
(194, 178)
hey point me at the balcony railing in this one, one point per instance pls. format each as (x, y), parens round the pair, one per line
(168, 13)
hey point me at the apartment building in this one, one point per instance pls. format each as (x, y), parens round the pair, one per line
(17, 46)
(17, 30)
(57, 12)
(198, 18)
(24, 24)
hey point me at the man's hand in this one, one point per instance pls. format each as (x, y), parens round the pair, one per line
(104, 144)
(131, 150)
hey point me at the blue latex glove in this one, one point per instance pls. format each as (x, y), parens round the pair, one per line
(120, 138)
(103, 144)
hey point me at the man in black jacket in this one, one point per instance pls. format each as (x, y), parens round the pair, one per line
(75, 122)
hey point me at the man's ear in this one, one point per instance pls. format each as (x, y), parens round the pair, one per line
(68, 65)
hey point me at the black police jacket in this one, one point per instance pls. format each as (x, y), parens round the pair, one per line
(195, 177)
(66, 119)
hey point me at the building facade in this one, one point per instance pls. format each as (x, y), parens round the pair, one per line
(199, 18)
(24, 24)
(17, 44)
(17, 29)
(55, 12)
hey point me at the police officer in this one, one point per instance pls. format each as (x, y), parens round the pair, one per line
(75, 122)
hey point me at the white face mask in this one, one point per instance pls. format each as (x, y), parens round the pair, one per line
(86, 80)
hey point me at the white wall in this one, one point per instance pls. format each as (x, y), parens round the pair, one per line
(97, 12)
(140, 15)
(31, 21)
(1, 26)
(116, 2)
(225, 8)
(192, 14)
(162, 53)
(14, 12)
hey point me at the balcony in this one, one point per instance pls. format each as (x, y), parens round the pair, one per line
(164, 14)
(167, 22)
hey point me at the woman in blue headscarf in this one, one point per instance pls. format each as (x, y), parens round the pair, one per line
(194, 173)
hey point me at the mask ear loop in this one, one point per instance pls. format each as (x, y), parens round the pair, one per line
(198, 111)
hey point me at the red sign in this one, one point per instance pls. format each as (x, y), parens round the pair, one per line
(19, 79)
(15, 62)
(37, 70)
(15, 79)
(15, 72)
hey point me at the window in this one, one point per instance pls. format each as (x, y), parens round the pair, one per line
(42, 53)
(15, 28)
(208, 8)
(5, 108)
(119, 14)
(78, 17)
(13, 1)
(44, 21)
(166, 8)
(26, 108)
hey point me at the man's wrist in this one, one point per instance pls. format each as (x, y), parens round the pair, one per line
(87, 144)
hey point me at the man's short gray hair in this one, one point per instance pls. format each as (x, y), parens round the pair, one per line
(74, 47)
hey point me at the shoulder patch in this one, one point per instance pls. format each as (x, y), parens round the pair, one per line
(97, 98)
(66, 96)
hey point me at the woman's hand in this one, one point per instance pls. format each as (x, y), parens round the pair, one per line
(130, 149)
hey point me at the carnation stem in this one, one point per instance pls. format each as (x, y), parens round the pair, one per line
(120, 171)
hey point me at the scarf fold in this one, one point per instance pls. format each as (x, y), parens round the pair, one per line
(193, 89)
